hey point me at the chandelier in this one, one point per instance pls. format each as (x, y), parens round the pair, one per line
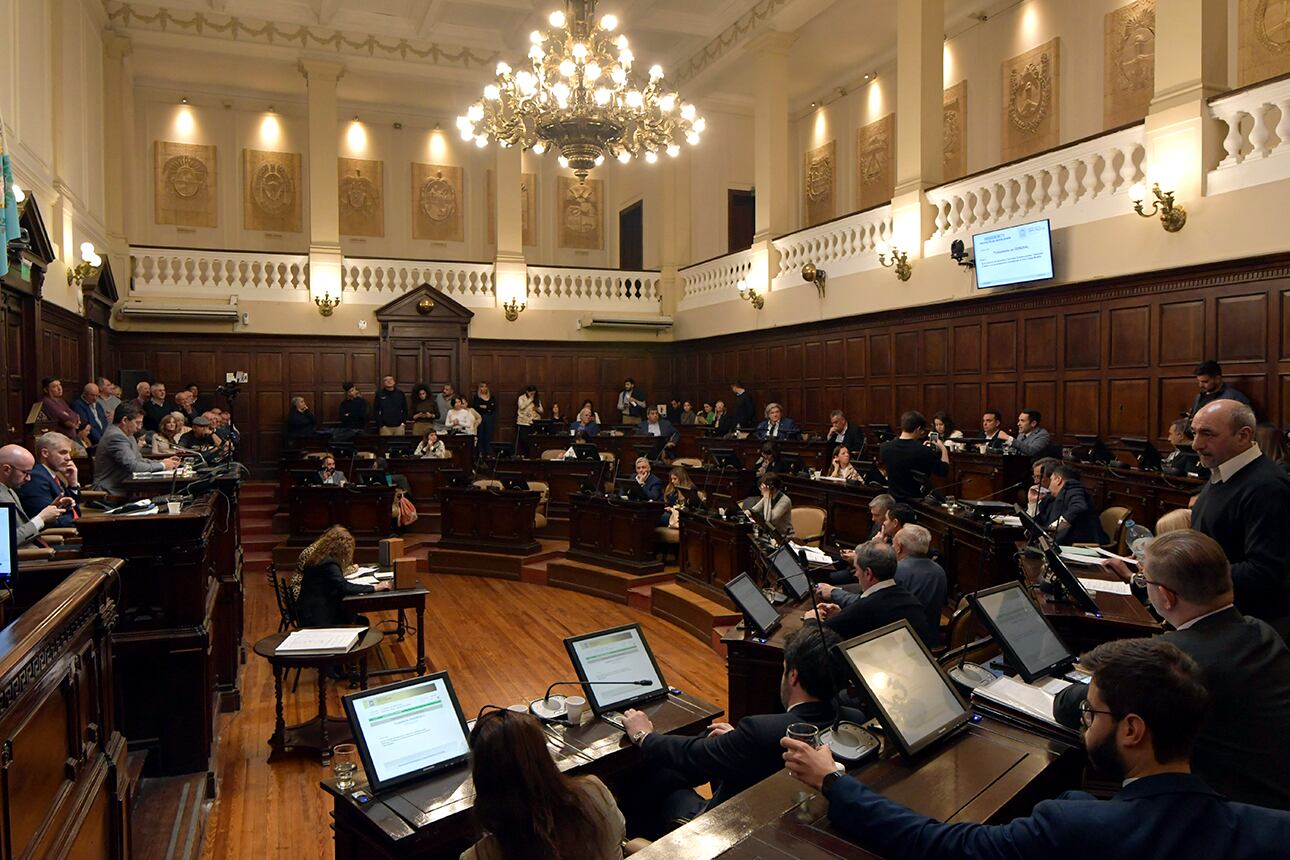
(577, 94)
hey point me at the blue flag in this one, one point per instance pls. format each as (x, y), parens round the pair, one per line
(12, 230)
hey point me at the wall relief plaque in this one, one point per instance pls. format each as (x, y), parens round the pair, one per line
(362, 197)
(437, 203)
(184, 186)
(817, 187)
(271, 191)
(1031, 107)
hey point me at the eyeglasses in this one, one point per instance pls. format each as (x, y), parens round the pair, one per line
(1086, 712)
(1140, 580)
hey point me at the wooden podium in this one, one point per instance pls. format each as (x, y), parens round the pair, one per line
(488, 520)
(614, 533)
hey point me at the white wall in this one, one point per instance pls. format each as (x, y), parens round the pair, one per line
(722, 161)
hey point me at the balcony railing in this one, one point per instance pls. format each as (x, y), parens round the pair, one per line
(557, 288)
(1257, 144)
(1072, 185)
(843, 246)
(714, 281)
(378, 281)
(197, 272)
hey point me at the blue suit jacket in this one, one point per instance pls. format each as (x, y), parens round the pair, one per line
(88, 414)
(40, 492)
(1168, 816)
(787, 429)
(653, 487)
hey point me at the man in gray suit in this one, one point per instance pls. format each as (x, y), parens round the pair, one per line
(117, 457)
(16, 464)
(1242, 751)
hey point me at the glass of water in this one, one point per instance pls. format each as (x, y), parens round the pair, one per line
(804, 732)
(344, 765)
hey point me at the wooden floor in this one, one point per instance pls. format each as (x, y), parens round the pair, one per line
(502, 643)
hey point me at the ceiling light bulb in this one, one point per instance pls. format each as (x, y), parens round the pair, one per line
(560, 90)
(651, 157)
(618, 74)
(536, 54)
(609, 22)
(600, 159)
(579, 51)
(535, 37)
(475, 112)
(539, 148)
(556, 18)
(592, 71)
(700, 124)
(687, 111)
(673, 150)
(492, 93)
(567, 68)
(18, 194)
(87, 249)
(468, 132)
(635, 99)
(481, 140)
(624, 156)
(503, 69)
(667, 103)
(692, 137)
(655, 72)
(882, 249)
(622, 42)
(626, 57)
(602, 96)
(562, 161)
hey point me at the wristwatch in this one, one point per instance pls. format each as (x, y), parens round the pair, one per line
(839, 771)
(637, 737)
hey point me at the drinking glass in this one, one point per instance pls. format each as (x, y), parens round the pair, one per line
(804, 732)
(344, 765)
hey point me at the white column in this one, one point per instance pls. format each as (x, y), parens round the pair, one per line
(676, 229)
(920, 38)
(509, 269)
(118, 92)
(771, 154)
(324, 181)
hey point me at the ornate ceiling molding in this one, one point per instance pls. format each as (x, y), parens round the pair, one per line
(745, 26)
(139, 16)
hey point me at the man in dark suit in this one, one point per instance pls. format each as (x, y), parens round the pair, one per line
(91, 411)
(992, 430)
(1241, 750)
(882, 600)
(653, 425)
(723, 423)
(1072, 513)
(117, 456)
(733, 758)
(841, 432)
(776, 425)
(53, 478)
(649, 482)
(1145, 706)
(155, 407)
(16, 466)
(1039, 501)
(743, 412)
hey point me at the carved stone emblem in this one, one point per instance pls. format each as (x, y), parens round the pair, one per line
(1272, 24)
(272, 188)
(1031, 94)
(185, 176)
(819, 179)
(1135, 54)
(581, 214)
(438, 198)
(359, 193)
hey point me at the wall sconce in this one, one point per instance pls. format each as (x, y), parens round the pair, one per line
(899, 260)
(89, 264)
(327, 303)
(513, 308)
(815, 276)
(748, 294)
(1172, 215)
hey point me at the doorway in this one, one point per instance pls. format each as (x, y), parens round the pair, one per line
(631, 238)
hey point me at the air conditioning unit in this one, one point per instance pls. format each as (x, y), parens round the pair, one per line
(203, 313)
(637, 323)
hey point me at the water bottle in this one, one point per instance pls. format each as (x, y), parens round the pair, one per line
(1137, 537)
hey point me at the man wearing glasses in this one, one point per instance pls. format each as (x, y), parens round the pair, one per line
(16, 465)
(1241, 751)
(1145, 706)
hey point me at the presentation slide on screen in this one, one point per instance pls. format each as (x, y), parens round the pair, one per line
(410, 728)
(1013, 255)
(8, 552)
(909, 687)
(1024, 628)
(617, 656)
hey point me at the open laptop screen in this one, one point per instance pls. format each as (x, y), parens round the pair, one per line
(407, 730)
(916, 701)
(8, 541)
(620, 654)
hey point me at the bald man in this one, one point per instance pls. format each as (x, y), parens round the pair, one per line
(1246, 508)
(16, 465)
(93, 415)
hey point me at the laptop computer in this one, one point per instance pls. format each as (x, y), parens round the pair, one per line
(617, 668)
(759, 614)
(408, 730)
(915, 700)
(631, 489)
(585, 451)
(8, 541)
(1030, 645)
(513, 481)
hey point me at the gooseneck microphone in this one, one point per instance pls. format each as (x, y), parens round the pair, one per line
(547, 696)
(548, 709)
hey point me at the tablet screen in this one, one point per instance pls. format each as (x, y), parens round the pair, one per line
(793, 579)
(753, 604)
(8, 541)
(407, 730)
(613, 663)
(1032, 644)
(916, 702)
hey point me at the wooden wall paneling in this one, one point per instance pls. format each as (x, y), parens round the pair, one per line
(302, 373)
(834, 357)
(935, 351)
(1130, 336)
(813, 360)
(880, 406)
(967, 349)
(1040, 343)
(1181, 333)
(1041, 395)
(1001, 346)
(1241, 328)
(1128, 403)
(880, 355)
(1080, 411)
(1283, 348)
(1003, 397)
(936, 398)
(855, 366)
(967, 407)
(906, 343)
(1083, 341)
(909, 396)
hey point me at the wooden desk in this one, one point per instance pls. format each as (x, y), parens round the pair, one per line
(460, 446)
(167, 638)
(365, 511)
(492, 520)
(974, 475)
(814, 454)
(67, 792)
(432, 819)
(975, 552)
(396, 599)
(1123, 617)
(614, 533)
(714, 551)
(425, 476)
(1147, 495)
(564, 478)
(625, 448)
(754, 666)
(846, 506)
(989, 773)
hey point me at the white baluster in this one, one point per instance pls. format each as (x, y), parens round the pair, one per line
(1128, 170)
(1108, 173)
(1260, 134)
(1232, 142)
(1283, 127)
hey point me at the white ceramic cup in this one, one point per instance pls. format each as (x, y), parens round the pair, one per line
(575, 706)
(174, 507)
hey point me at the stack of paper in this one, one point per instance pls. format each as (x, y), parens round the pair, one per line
(813, 555)
(1028, 705)
(320, 640)
(1110, 586)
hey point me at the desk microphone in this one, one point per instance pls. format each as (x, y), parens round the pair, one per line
(548, 708)
(1027, 482)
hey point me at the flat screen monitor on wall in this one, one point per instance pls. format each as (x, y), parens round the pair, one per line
(1013, 255)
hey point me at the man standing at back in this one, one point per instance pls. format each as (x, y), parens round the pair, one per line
(1209, 378)
(391, 410)
(909, 462)
(90, 407)
(1246, 508)
(743, 413)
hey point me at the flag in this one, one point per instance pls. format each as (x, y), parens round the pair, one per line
(12, 230)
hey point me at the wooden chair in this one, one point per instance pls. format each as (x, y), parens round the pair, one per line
(540, 516)
(552, 454)
(286, 599)
(688, 462)
(964, 627)
(1113, 520)
(808, 525)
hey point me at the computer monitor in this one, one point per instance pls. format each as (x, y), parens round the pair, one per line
(1070, 582)
(789, 464)
(8, 541)
(407, 730)
(882, 432)
(630, 488)
(513, 481)
(790, 575)
(501, 450)
(1091, 449)
(1146, 453)
(611, 664)
(650, 447)
(725, 458)
(1030, 644)
(585, 451)
(915, 700)
(758, 612)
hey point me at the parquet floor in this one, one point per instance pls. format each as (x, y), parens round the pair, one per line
(502, 643)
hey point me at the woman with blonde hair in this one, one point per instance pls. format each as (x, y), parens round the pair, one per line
(323, 586)
(1175, 520)
(677, 480)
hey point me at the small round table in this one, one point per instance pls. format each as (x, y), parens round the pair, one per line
(320, 733)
